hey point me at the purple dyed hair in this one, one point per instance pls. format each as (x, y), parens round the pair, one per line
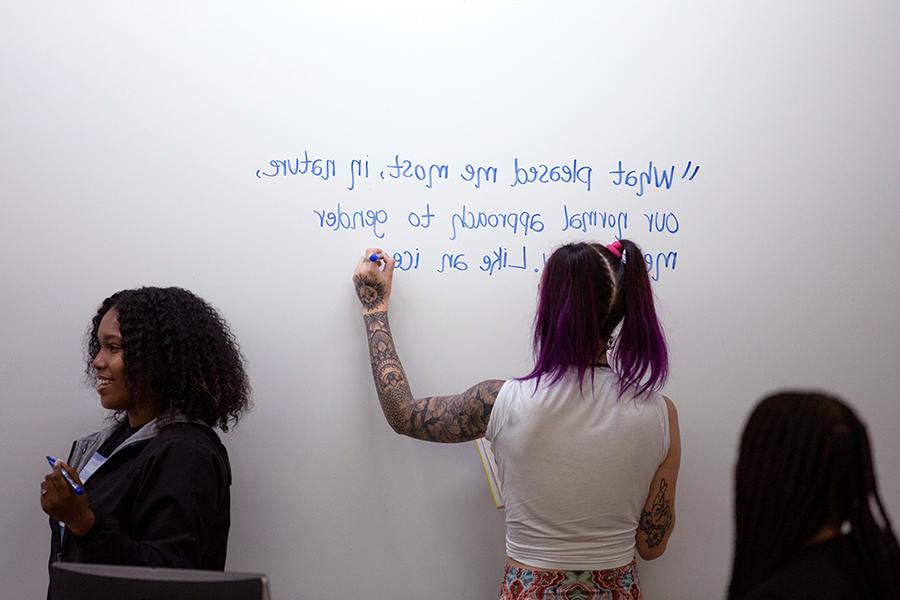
(586, 291)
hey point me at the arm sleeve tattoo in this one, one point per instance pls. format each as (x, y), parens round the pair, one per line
(656, 522)
(458, 418)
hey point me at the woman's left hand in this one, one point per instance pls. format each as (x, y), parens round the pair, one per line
(60, 502)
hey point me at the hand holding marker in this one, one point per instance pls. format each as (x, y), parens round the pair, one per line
(79, 490)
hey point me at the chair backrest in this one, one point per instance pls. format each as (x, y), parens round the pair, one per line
(78, 581)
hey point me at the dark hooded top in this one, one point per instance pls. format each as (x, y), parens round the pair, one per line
(161, 499)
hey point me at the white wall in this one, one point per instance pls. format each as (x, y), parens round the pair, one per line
(130, 136)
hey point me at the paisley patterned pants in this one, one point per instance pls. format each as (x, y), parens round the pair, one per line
(539, 584)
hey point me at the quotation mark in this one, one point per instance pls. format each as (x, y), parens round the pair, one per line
(688, 168)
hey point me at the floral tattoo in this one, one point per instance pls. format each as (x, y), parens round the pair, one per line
(369, 290)
(655, 523)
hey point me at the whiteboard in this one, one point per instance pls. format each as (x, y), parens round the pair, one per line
(141, 144)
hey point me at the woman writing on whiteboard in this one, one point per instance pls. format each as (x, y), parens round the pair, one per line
(588, 451)
(156, 480)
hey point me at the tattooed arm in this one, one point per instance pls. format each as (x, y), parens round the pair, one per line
(658, 517)
(457, 418)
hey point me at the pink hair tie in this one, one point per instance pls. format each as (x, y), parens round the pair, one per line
(615, 248)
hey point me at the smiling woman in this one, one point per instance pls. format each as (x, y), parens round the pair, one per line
(109, 368)
(157, 479)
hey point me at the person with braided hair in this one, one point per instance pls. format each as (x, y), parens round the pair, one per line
(156, 480)
(809, 521)
(588, 451)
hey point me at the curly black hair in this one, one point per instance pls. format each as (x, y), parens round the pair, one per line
(179, 355)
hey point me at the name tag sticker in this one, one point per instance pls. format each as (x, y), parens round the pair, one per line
(96, 461)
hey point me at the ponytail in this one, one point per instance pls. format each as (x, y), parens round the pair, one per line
(585, 292)
(641, 346)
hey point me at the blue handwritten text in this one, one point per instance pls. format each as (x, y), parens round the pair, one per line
(359, 219)
(318, 167)
(552, 174)
(515, 221)
(598, 219)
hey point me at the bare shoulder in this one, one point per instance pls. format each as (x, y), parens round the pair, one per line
(670, 406)
(674, 429)
(673, 457)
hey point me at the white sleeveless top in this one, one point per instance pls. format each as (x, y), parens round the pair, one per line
(575, 468)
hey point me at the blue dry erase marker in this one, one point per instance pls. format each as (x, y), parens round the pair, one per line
(75, 487)
(374, 258)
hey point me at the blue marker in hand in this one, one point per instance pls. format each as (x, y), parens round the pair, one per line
(75, 487)
(374, 258)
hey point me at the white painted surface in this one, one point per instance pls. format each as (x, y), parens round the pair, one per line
(129, 140)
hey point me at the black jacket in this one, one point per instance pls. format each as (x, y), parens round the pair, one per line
(161, 499)
(821, 571)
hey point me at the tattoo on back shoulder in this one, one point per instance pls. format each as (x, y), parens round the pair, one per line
(656, 522)
(369, 290)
